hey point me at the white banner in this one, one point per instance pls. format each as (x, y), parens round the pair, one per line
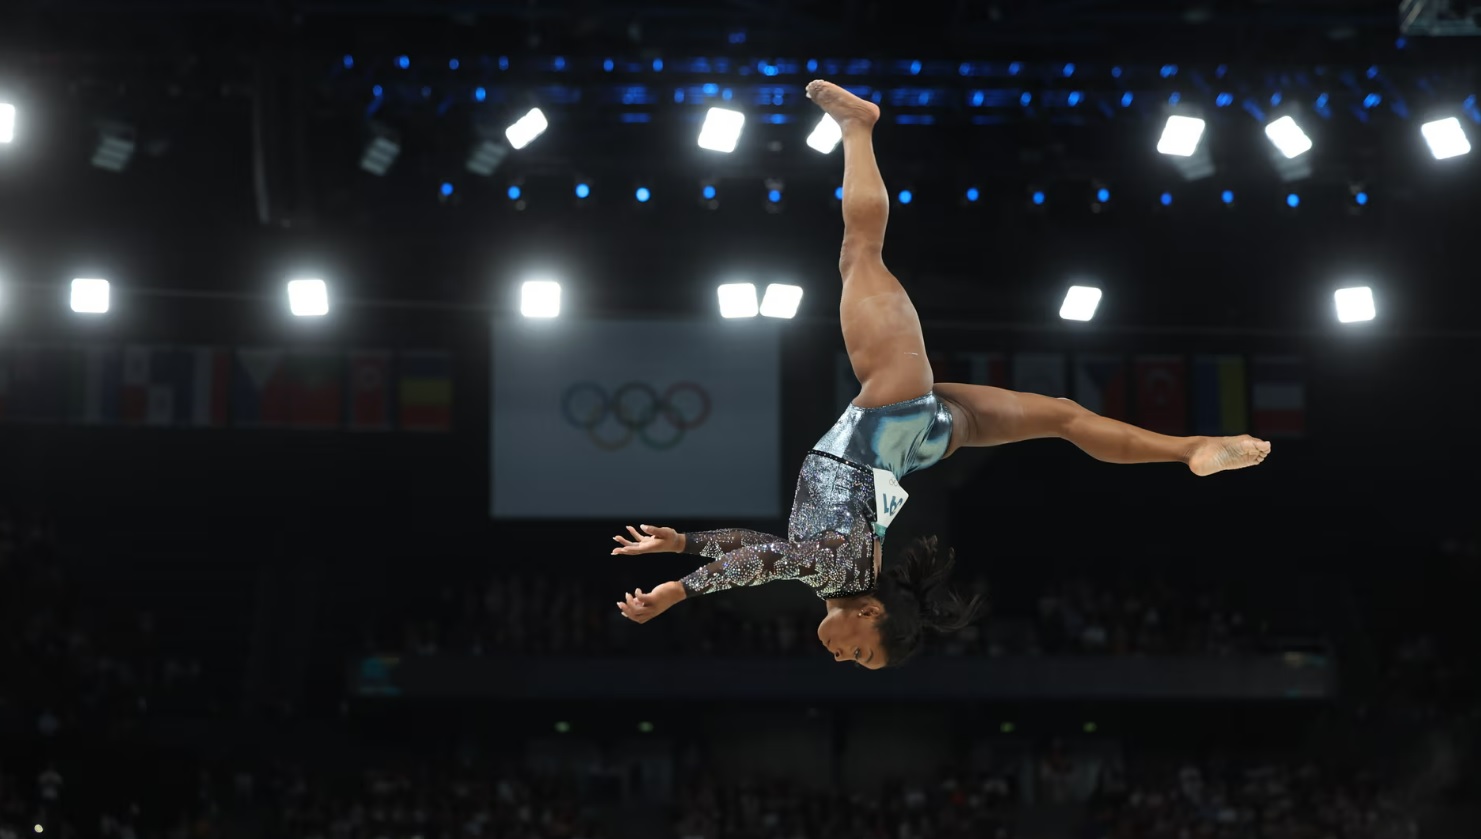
(636, 420)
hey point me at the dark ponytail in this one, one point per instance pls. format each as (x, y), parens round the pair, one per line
(916, 597)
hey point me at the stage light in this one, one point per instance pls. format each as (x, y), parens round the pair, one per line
(1360, 198)
(380, 151)
(1355, 304)
(973, 194)
(116, 144)
(90, 296)
(721, 130)
(826, 136)
(709, 192)
(7, 122)
(1080, 303)
(1103, 195)
(583, 190)
(540, 299)
(308, 298)
(1180, 136)
(906, 196)
(1287, 137)
(642, 195)
(738, 300)
(781, 301)
(1166, 199)
(447, 190)
(515, 192)
(1038, 199)
(838, 193)
(403, 62)
(1446, 138)
(1293, 200)
(774, 196)
(526, 129)
(1227, 197)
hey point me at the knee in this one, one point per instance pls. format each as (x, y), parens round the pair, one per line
(856, 251)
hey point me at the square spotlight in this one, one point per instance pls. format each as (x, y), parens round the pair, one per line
(90, 297)
(1446, 138)
(738, 300)
(1355, 304)
(826, 136)
(527, 128)
(7, 122)
(308, 298)
(1080, 303)
(540, 299)
(1180, 136)
(721, 130)
(1287, 137)
(781, 301)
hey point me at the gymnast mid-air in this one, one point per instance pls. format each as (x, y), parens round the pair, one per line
(902, 421)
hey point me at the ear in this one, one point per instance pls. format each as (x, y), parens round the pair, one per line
(871, 610)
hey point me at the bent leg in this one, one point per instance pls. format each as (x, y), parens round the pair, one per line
(991, 416)
(881, 329)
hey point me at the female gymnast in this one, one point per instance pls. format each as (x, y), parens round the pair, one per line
(902, 421)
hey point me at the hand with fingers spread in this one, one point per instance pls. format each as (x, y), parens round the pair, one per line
(641, 607)
(651, 540)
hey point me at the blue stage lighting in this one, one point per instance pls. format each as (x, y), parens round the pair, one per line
(1361, 198)
(964, 69)
(973, 194)
(978, 97)
(906, 196)
(1372, 100)
(1275, 99)
(838, 193)
(608, 64)
(480, 94)
(1074, 98)
(1025, 99)
(1224, 100)
(774, 196)
(1115, 72)
(583, 191)
(349, 61)
(915, 68)
(1175, 98)
(1015, 68)
(1227, 197)
(377, 91)
(658, 65)
(447, 190)
(514, 193)
(403, 62)
(1103, 195)
(503, 62)
(1069, 70)
(812, 65)
(1373, 72)
(1167, 199)
(1169, 70)
(1293, 200)
(1039, 198)
(453, 64)
(560, 62)
(708, 192)
(642, 195)
(710, 88)
(1126, 99)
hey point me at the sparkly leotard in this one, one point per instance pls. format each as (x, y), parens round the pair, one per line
(834, 521)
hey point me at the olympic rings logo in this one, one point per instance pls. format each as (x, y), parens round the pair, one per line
(635, 411)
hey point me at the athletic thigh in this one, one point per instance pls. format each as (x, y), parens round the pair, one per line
(882, 334)
(992, 416)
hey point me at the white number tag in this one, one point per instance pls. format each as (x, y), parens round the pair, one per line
(888, 497)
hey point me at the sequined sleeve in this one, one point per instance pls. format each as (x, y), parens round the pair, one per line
(747, 558)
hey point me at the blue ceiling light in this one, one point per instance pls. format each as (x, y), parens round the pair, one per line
(1038, 198)
(1167, 199)
(709, 192)
(1103, 195)
(480, 94)
(1025, 99)
(1074, 98)
(447, 190)
(915, 68)
(608, 64)
(1227, 197)
(642, 195)
(973, 194)
(1361, 198)
(1069, 70)
(514, 193)
(583, 190)
(1126, 99)
(349, 61)
(774, 196)
(838, 193)
(906, 196)
(1293, 200)
(403, 62)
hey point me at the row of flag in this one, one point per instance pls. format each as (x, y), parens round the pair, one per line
(218, 387)
(1171, 394)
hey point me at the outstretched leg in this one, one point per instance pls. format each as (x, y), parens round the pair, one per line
(881, 330)
(990, 416)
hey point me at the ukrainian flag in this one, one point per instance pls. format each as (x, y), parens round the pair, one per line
(1221, 403)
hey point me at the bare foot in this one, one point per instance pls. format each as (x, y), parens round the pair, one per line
(843, 106)
(1216, 454)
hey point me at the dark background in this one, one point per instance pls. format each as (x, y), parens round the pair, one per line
(242, 578)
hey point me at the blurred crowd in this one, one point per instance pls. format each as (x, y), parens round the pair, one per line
(531, 614)
(75, 657)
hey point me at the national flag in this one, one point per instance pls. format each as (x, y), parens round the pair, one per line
(424, 391)
(260, 392)
(96, 378)
(369, 390)
(1278, 397)
(1100, 384)
(1162, 394)
(38, 386)
(1220, 395)
(206, 401)
(1041, 373)
(316, 389)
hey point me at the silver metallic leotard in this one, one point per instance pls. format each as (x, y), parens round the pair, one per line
(835, 518)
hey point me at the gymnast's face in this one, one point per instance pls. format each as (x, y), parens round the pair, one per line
(850, 633)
